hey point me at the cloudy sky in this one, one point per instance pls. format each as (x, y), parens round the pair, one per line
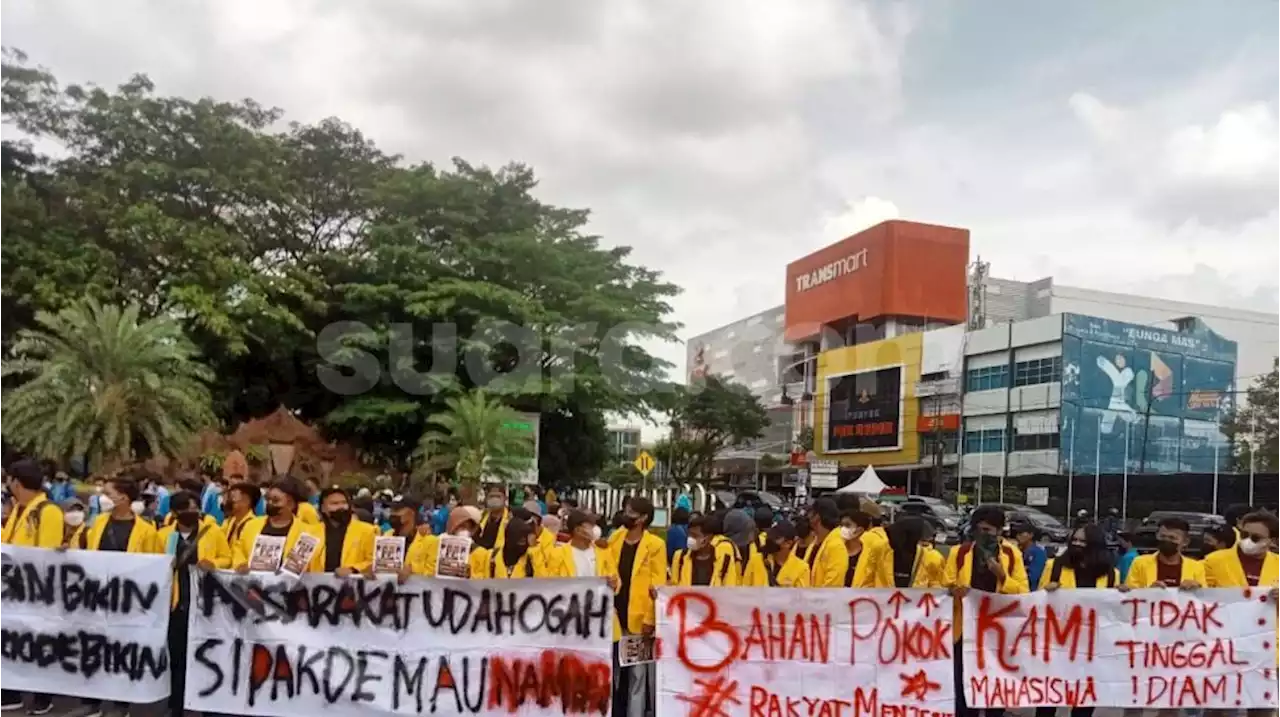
(1122, 146)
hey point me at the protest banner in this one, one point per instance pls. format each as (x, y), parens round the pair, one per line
(1142, 649)
(635, 650)
(266, 553)
(453, 559)
(85, 624)
(295, 563)
(388, 554)
(273, 645)
(773, 652)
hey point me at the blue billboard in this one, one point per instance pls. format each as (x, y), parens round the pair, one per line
(1144, 398)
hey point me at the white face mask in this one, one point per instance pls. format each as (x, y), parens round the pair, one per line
(846, 533)
(595, 533)
(105, 504)
(74, 518)
(692, 543)
(463, 533)
(1249, 546)
(494, 503)
(137, 507)
(97, 489)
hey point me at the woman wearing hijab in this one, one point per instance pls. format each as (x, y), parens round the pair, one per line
(902, 560)
(516, 558)
(463, 522)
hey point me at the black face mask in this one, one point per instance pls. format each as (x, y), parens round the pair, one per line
(274, 510)
(1167, 548)
(340, 516)
(1075, 554)
(188, 518)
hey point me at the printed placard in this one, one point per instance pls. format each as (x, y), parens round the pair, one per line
(453, 560)
(86, 624)
(266, 554)
(782, 651)
(635, 650)
(295, 563)
(1143, 649)
(388, 554)
(319, 645)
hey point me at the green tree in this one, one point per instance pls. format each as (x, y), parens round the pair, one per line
(474, 440)
(708, 419)
(1253, 428)
(106, 385)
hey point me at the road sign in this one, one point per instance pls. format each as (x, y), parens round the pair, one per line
(644, 463)
(1037, 497)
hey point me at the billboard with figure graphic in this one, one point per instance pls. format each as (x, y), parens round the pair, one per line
(1144, 398)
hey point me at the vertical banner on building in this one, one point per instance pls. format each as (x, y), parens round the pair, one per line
(322, 645)
(780, 651)
(85, 624)
(1143, 649)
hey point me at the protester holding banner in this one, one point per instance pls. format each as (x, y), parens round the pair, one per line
(515, 559)
(784, 568)
(1086, 562)
(238, 502)
(1167, 567)
(348, 541)
(987, 563)
(493, 524)
(281, 521)
(418, 540)
(582, 558)
(1250, 563)
(642, 568)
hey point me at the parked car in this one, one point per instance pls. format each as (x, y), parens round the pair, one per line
(1051, 529)
(942, 534)
(1144, 538)
(942, 515)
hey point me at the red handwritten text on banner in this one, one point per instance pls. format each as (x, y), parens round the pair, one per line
(1160, 649)
(777, 652)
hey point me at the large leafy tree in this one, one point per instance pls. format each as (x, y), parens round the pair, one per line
(473, 438)
(260, 238)
(707, 419)
(1254, 429)
(105, 384)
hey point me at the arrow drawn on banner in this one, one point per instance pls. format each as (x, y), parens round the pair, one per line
(897, 600)
(928, 603)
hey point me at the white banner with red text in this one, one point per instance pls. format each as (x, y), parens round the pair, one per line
(769, 652)
(1148, 649)
(323, 645)
(86, 624)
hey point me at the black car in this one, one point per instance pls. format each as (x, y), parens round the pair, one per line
(1050, 528)
(944, 519)
(1144, 538)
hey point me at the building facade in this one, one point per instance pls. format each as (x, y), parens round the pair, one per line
(624, 444)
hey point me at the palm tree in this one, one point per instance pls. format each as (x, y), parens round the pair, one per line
(103, 384)
(476, 438)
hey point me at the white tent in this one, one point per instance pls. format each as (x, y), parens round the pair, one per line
(867, 484)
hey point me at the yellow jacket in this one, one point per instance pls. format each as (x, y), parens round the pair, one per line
(427, 550)
(415, 555)
(495, 568)
(75, 539)
(722, 575)
(875, 568)
(243, 547)
(831, 563)
(754, 574)
(357, 545)
(142, 539)
(1143, 571)
(794, 573)
(502, 527)
(560, 561)
(546, 539)
(959, 573)
(307, 513)
(648, 571)
(171, 519)
(1067, 578)
(39, 525)
(1222, 569)
(211, 545)
(725, 548)
(231, 526)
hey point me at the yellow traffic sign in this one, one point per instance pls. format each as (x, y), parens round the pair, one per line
(645, 463)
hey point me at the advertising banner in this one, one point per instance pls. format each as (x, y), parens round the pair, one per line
(864, 410)
(322, 645)
(1142, 649)
(779, 651)
(86, 624)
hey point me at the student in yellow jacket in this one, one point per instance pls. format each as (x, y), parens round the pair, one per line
(782, 566)
(581, 557)
(516, 558)
(238, 504)
(740, 529)
(701, 564)
(121, 530)
(714, 530)
(641, 558)
(830, 562)
(281, 520)
(902, 561)
(1251, 562)
(35, 521)
(493, 524)
(1167, 567)
(192, 539)
(402, 514)
(75, 533)
(463, 522)
(1085, 563)
(348, 541)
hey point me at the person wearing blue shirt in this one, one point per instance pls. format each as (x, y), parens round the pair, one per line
(1127, 554)
(678, 532)
(1034, 556)
(211, 500)
(61, 490)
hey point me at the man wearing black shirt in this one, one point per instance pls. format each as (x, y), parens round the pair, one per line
(642, 568)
